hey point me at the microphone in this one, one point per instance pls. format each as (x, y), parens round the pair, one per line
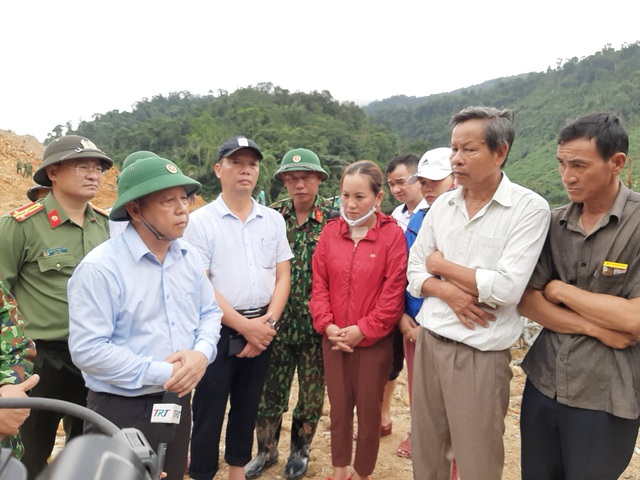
(166, 416)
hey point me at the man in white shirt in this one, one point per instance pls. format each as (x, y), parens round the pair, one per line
(246, 253)
(398, 172)
(472, 261)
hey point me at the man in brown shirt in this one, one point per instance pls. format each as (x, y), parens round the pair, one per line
(580, 408)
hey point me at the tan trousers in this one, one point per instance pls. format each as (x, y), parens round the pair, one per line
(356, 380)
(460, 399)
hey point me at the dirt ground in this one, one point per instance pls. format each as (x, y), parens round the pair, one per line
(13, 189)
(391, 467)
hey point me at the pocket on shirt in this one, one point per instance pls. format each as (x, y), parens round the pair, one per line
(489, 250)
(268, 253)
(57, 263)
(189, 303)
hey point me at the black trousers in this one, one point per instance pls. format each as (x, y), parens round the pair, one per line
(239, 380)
(398, 355)
(59, 379)
(136, 412)
(561, 442)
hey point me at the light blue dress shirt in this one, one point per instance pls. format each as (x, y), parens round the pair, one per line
(128, 313)
(241, 257)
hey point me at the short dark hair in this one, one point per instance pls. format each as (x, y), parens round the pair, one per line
(606, 127)
(499, 129)
(368, 168)
(409, 160)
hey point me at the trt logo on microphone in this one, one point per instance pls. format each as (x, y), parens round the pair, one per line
(166, 413)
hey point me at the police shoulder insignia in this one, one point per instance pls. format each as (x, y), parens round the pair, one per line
(99, 210)
(26, 211)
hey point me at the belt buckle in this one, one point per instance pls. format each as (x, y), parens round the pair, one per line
(252, 312)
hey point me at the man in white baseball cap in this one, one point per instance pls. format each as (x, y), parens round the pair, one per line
(434, 173)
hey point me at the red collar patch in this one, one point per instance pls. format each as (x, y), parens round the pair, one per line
(54, 218)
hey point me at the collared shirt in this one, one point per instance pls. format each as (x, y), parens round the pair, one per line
(296, 324)
(116, 228)
(501, 242)
(402, 215)
(38, 254)
(128, 313)
(578, 370)
(241, 257)
(16, 352)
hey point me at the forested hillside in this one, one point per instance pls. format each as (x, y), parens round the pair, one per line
(543, 102)
(189, 128)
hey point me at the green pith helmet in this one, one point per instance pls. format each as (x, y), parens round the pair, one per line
(300, 160)
(147, 176)
(69, 147)
(135, 156)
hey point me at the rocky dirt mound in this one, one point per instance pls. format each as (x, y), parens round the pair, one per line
(14, 185)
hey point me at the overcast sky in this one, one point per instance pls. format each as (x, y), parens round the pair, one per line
(66, 60)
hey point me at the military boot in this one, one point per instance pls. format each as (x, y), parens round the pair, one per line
(302, 433)
(268, 435)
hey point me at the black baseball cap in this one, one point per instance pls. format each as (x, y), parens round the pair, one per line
(231, 146)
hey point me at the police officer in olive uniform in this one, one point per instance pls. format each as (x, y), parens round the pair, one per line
(40, 245)
(297, 345)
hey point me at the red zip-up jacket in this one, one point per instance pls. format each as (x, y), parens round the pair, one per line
(360, 284)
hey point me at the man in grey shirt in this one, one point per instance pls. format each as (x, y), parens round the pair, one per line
(580, 408)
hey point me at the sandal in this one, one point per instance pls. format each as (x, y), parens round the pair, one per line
(385, 430)
(404, 449)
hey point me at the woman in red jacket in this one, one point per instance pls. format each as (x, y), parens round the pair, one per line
(359, 278)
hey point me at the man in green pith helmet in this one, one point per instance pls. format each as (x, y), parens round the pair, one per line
(142, 314)
(116, 228)
(40, 245)
(297, 345)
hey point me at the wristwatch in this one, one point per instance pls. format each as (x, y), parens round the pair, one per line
(274, 323)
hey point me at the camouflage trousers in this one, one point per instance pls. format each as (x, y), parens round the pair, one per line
(285, 359)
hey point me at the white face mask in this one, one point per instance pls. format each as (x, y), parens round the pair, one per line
(359, 221)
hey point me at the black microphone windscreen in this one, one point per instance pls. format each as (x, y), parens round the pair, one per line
(166, 431)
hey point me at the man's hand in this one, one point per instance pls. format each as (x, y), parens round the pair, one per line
(409, 328)
(466, 307)
(249, 351)
(614, 338)
(433, 262)
(258, 332)
(552, 291)
(188, 368)
(12, 419)
(336, 337)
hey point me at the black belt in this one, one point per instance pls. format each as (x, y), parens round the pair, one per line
(253, 312)
(158, 395)
(59, 345)
(441, 338)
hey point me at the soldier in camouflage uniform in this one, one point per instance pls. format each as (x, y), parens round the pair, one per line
(296, 345)
(16, 364)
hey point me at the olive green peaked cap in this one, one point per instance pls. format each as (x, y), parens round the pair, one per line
(147, 176)
(135, 156)
(69, 147)
(300, 160)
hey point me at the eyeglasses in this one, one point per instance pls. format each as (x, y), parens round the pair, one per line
(293, 179)
(82, 169)
(400, 183)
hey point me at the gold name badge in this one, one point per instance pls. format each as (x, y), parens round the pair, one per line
(613, 268)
